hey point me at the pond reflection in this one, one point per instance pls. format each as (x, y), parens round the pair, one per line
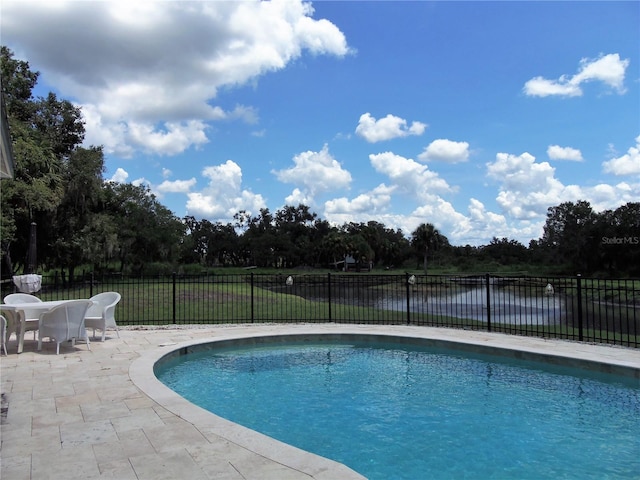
(509, 305)
(506, 306)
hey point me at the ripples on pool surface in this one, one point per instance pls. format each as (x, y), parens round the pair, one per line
(394, 411)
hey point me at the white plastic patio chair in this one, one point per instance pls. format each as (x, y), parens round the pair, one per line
(3, 334)
(31, 316)
(101, 315)
(20, 298)
(63, 323)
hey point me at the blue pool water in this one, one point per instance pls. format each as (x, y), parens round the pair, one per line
(393, 411)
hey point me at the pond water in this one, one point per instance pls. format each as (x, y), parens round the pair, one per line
(506, 306)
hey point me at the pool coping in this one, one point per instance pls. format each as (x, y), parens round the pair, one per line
(602, 358)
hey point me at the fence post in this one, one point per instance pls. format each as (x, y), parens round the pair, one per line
(488, 283)
(91, 285)
(408, 287)
(579, 293)
(173, 276)
(329, 292)
(252, 317)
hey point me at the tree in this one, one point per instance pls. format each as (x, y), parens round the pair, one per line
(18, 82)
(319, 230)
(37, 187)
(294, 226)
(31, 196)
(261, 239)
(223, 246)
(570, 235)
(619, 239)
(333, 247)
(208, 244)
(76, 224)
(427, 238)
(59, 124)
(193, 246)
(505, 251)
(147, 230)
(100, 241)
(389, 246)
(358, 247)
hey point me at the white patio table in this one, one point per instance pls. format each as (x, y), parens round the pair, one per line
(17, 313)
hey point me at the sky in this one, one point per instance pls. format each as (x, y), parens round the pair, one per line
(473, 116)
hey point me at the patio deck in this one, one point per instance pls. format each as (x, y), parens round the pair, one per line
(102, 414)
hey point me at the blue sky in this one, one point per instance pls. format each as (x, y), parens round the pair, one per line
(474, 116)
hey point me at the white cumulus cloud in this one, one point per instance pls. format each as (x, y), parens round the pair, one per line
(298, 197)
(120, 176)
(556, 152)
(410, 177)
(223, 197)
(176, 186)
(372, 205)
(527, 188)
(609, 69)
(372, 202)
(147, 73)
(628, 164)
(386, 128)
(446, 151)
(314, 173)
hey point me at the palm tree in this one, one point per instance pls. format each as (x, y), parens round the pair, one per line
(425, 238)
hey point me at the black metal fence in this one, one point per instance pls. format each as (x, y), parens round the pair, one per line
(575, 308)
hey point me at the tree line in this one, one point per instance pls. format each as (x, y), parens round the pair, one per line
(83, 220)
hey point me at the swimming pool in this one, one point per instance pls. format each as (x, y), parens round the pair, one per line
(412, 409)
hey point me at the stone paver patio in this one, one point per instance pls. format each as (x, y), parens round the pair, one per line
(103, 414)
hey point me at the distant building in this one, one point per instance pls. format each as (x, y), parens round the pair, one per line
(349, 264)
